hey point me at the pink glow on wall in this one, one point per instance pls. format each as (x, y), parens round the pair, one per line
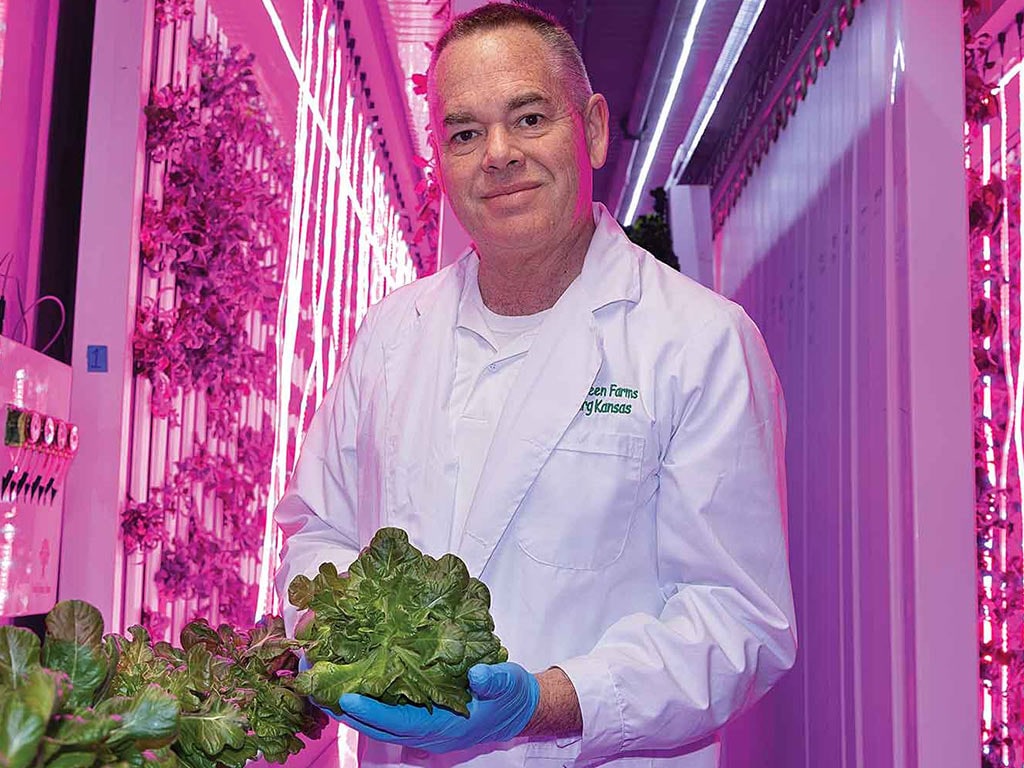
(347, 245)
(3, 34)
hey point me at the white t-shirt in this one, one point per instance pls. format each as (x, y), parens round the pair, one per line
(490, 349)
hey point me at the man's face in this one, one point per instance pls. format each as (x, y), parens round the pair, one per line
(516, 156)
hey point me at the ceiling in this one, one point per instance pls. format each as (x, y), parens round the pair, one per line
(410, 26)
(631, 50)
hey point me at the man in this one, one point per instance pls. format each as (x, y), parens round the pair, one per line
(598, 437)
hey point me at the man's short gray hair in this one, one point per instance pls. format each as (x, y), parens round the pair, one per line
(502, 15)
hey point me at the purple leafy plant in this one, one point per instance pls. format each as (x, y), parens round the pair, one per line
(217, 228)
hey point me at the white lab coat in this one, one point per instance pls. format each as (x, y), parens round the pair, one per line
(642, 549)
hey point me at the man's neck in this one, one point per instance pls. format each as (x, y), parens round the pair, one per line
(527, 281)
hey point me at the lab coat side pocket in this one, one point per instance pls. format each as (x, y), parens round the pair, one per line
(579, 511)
(564, 753)
(553, 752)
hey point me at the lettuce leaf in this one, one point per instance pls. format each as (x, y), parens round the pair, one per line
(401, 627)
(21, 730)
(74, 635)
(19, 654)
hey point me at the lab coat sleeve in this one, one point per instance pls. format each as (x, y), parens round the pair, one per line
(727, 631)
(318, 513)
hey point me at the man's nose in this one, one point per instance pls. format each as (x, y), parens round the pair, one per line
(500, 150)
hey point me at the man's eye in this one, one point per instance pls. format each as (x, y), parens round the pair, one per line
(462, 137)
(531, 121)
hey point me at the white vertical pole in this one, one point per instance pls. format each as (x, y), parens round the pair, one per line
(937, 409)
(108, 263)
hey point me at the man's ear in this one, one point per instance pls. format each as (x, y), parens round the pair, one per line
(595, 128)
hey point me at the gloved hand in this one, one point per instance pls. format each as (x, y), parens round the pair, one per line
(505, 697)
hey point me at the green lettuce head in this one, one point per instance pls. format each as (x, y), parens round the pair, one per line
(401, 627)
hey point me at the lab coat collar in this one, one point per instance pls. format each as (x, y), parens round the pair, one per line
(611, 270)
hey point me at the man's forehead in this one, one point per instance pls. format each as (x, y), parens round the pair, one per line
(516, 60)
(516, 48)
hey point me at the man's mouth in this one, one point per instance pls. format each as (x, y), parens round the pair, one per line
(508, 191)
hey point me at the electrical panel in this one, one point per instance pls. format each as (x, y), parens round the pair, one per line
(39, 445)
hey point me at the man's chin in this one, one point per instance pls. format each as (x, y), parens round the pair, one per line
(513, 235)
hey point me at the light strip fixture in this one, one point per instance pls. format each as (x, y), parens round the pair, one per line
(743, 25)
(666, 110)
(3, 34)
(746, 20)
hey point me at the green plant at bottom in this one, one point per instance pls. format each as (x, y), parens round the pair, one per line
(83, 699)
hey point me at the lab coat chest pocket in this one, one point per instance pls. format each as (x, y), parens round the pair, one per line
(581, 506)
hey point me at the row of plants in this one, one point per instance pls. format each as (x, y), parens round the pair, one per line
(84, 699)
(212, 236)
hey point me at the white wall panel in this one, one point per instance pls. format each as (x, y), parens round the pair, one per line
(843, 247)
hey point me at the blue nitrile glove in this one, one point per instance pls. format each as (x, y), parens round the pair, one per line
(504, 699)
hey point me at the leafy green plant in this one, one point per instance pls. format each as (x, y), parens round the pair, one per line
(55, 707)
(233, 688)
(401, 627)
(83, 699)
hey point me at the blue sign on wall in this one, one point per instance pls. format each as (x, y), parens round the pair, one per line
(96, 358)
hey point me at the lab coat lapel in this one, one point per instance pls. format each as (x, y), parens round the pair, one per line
(554, 380)
(419, 371)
